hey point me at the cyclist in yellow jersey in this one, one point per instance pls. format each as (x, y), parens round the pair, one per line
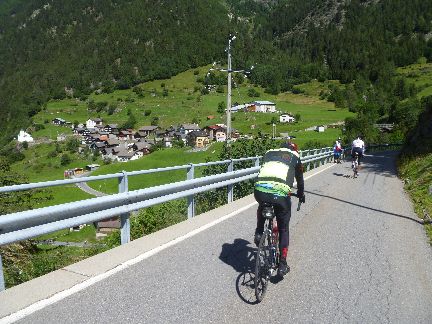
(274, 184)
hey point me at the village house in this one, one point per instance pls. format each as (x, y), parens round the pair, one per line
(24, 137)
(110, 128)
(124, 155)
(59, 121)
(216, 133)
(187, 128)
(148, 130)
(125, 135)
(141, 148)
(264, 106)
(93, 123)
(286, 118)
(112, 142)
(197, 139)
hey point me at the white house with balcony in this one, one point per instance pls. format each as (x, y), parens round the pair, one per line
(264, 106)
(286, 118)
(24, 137)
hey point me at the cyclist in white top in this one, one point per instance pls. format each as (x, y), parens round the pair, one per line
(358, 147)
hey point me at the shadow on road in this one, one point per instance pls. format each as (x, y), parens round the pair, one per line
(241, 256)
(366, 207)
(382, 163)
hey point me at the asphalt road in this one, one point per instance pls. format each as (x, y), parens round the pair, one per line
(358, 254)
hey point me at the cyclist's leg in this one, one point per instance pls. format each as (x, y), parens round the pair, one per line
(260, 197)
(283, 215)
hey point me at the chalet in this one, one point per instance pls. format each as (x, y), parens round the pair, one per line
(125, 135)
(80, 131)
(188, 128)
(142, 146)
(24, 137)
(264, 106)
(140, 135)
(167, 141)
(93, 123)
(212, 130)
(124, 155)
(112, 142)
(110, 152)
(59, 121)
(110, 128)
(92, 167)
(286, 118)
(220, 135)
(97, 145)
(148, 129)
(197, 138)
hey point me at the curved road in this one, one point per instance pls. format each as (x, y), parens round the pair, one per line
(358, 254)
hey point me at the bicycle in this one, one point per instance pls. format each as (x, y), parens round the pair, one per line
(355, 165)
(267, 257)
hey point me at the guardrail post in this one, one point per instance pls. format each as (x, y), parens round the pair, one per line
(257, 162)
(2, 281)
(230, 187)
(191, 199)
(124, 218)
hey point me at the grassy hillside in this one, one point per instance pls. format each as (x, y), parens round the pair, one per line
(184, 103)
(414, 167)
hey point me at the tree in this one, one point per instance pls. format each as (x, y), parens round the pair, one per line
(154, 121)
(131, 122)
(65, 159)
(253, 93)
(72, 144)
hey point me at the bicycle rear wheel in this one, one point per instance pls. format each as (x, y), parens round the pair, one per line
(262, 267)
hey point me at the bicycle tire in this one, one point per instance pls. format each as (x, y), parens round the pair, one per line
(262, 267)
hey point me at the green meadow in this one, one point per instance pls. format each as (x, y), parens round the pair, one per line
(420, 74)
(182, 102)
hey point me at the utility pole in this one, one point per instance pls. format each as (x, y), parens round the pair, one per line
(228, 115)
(230, 71)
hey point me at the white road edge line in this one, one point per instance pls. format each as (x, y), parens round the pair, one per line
(87, 283)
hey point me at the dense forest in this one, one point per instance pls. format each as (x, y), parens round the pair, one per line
(51, 49)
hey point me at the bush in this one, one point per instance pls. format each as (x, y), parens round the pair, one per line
(38, 127)
(65, 159)
(147, 112)
(253, 93)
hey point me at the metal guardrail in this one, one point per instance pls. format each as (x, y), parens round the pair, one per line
(23, 225)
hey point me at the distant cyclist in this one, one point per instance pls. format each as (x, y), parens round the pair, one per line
(274, 183)
(358, 147)
(337, 151)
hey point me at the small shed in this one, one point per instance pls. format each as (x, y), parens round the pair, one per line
(320, 129)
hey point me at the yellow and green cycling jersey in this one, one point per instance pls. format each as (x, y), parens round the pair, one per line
(272, 187)
(277, 173)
